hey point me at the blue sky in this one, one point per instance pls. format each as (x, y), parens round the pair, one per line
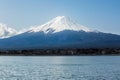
(103, 15)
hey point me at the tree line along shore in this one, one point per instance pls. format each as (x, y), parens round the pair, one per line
(61, 52)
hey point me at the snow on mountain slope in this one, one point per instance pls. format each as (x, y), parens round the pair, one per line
(58, 24)
(6, 31)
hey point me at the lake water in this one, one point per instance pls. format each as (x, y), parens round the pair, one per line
(60, 68)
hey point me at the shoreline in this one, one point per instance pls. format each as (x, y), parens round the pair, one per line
(63, 52)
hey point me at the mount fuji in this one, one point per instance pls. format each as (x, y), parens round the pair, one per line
(60, 32)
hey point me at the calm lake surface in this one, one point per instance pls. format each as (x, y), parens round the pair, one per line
(60, 68)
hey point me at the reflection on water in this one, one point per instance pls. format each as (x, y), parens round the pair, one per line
(60, 68)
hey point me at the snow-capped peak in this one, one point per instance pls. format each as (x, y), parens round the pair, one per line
(58, 24)
(6, 31)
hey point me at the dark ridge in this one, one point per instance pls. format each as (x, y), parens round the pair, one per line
(62, 52)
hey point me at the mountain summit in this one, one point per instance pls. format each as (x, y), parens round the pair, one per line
(58, 24)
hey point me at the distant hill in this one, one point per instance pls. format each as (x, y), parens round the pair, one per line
(6, 31)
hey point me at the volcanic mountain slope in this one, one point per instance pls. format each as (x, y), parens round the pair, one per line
(61, 32)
